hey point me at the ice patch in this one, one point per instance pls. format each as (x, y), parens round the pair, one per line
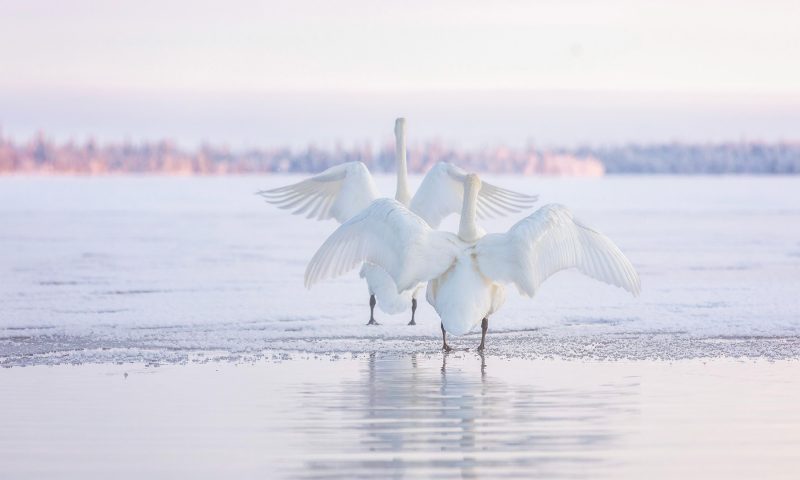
(165, 269)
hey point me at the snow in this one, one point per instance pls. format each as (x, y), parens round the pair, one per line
(166, 269)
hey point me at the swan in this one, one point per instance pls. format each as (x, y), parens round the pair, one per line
(343, 191)
(467, 272)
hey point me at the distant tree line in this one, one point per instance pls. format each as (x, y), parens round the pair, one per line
(681, 158)
(42, 155)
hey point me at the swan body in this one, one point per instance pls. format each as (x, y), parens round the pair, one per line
(462, 295)
(466, 272)
(546, 242)
(343, 191)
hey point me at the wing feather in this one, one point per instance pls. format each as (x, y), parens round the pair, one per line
(548, 241)
(390, 236)
(441, 194)
(339, 192)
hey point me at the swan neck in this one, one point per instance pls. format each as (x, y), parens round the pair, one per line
(467, 228)
(402, 195)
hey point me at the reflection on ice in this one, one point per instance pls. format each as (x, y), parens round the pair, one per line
(459, 421)
(391, 416)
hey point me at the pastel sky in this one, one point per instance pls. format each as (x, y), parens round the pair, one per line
(56, 49)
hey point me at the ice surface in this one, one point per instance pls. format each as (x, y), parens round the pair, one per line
(169, 269)
(437, 416)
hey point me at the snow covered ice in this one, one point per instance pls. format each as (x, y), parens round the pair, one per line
(173, 269)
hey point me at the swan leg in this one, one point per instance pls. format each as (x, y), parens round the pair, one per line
(445, 346)
(372, 311)
(484, 327)
(413, 310)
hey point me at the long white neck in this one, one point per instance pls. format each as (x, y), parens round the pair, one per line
(401, 195)
(467, 228)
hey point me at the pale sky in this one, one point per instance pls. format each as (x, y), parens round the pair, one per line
(96, 50)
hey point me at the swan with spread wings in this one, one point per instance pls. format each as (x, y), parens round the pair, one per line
(467, 272)
(343, 191)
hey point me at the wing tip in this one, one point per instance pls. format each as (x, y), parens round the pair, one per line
(637, 291)
(309, 279)
(273, 196)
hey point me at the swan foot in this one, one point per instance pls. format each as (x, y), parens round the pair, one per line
(372, 303)
(484, 327)
(413, 311)
(445, 346)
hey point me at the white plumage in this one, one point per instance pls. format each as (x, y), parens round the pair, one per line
(466, 273)
(391, 236)
(343, 191)
(383, 287)
(339, 192)
(441, 194)
(548, 241)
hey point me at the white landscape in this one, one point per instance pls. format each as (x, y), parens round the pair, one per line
(643, 313)
(161, 270)
(165, 331)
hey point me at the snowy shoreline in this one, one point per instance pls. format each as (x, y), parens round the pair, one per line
(162, 349)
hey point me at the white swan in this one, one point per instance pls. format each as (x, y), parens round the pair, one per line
(342, 191)
(466, 272)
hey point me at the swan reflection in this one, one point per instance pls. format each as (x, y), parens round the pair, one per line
(404, 416)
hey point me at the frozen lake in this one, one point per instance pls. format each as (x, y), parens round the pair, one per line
(166, 269)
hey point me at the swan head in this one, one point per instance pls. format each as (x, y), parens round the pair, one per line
(400, 126)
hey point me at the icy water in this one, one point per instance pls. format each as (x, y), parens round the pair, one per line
(166, 270)
(414, 416)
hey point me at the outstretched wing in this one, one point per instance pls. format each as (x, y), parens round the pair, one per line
(441, 193)
(548, 241)
(390, 236)
(339, 192)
